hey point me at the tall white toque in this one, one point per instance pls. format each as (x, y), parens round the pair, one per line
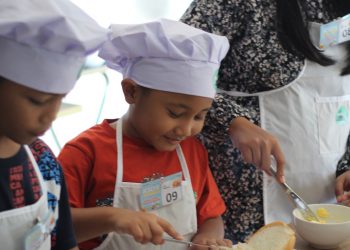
(43, 43)
(166, 55)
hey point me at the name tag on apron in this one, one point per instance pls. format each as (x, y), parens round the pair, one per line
(39, 236)
(335, 32)
(161, 192)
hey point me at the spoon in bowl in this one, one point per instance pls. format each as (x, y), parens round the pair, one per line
(298, 202)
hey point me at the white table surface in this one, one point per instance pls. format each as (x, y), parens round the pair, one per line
(302, 245)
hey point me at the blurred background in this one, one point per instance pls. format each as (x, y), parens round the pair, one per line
(97, 94)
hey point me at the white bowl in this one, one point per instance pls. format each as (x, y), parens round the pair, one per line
(327, 235)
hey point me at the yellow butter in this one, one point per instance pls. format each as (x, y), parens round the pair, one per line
(322, 213)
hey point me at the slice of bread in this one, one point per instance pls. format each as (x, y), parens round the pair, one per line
(274, 236)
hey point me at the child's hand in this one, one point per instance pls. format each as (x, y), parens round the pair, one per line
(342, 188)
(212, 243)
(144, 227)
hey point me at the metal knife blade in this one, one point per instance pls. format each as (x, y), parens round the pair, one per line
(187, 243)
(304, 209)
(190, 244)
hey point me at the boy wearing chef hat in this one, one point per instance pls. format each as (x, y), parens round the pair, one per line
(43, 45)
(149, 160)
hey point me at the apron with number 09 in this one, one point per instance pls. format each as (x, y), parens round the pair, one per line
(181, 215)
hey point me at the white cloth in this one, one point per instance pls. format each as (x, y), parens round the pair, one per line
(16, 223)
(166, 55)
(43, 44)
(310, 119)
(182, 214)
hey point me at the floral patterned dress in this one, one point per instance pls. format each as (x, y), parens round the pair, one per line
(256, 62)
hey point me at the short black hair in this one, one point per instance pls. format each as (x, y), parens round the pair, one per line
(2, 79)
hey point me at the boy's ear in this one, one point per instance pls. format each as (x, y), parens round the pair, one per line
(130, 90)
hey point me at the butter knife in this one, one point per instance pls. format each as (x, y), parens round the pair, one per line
(190, 244)
(298, 202)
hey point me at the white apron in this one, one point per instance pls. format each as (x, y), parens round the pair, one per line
(16, 223)
(310, 118)
(181, 215)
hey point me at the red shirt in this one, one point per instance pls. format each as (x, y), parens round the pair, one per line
(89, 163)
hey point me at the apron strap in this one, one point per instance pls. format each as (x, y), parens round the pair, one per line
(119, 177)
(183, 163)
(119, 134)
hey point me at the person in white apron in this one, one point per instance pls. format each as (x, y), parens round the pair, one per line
(18, 225)
(263, 82)
(166, 66)
(43, 45)
(182, 215)
(313, 112)
(318, 128)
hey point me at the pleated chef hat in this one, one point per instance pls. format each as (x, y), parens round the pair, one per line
(43, 43)
(166, 55)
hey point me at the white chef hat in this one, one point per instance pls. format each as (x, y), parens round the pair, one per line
(166, 55)
(43, 43)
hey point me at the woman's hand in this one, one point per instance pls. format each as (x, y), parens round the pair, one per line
(257, 146)
(342, 188)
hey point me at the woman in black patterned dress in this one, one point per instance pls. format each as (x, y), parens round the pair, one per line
(270, 44)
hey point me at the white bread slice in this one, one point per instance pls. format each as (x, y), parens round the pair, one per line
(274, 236)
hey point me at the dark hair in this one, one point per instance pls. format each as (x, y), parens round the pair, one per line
(2, 79)
(293, 31)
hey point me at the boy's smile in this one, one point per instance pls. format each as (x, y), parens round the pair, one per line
(163, 119)
(175, 140)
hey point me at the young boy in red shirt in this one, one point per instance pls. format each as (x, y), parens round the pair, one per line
(149, 160)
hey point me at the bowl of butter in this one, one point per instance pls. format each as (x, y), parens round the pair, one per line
(332, 229)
